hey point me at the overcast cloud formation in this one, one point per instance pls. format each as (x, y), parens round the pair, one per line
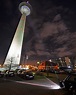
(50, 29)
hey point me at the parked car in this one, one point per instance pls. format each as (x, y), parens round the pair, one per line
(26, 75)
(20, 71)
(29, 75)
(9, 73)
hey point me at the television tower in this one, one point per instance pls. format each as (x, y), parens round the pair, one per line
(12, 60)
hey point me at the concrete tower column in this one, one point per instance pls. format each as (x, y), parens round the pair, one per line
(14, 54)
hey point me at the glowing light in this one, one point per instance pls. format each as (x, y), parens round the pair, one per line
(50, 60)
(25, 7)
(55, 87)
(27, 67)
(36, 84)
(0, 65)
(38, 62)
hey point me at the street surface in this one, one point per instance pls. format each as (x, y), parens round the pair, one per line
(31, 87)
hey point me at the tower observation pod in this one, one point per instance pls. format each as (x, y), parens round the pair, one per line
(12, 60)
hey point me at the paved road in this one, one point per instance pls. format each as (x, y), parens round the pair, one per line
(41, 82)
(28, 88)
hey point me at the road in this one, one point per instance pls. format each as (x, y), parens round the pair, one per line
(39, 87)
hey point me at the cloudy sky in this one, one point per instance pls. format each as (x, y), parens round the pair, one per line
(50, 30)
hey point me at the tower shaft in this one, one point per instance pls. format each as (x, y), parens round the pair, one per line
(14, 53)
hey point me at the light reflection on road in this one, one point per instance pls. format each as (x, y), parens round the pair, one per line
(49, 84)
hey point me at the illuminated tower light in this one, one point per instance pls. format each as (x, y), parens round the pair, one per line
(25, 8)
(16, 45)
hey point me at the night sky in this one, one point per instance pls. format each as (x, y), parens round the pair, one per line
(50, 30)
